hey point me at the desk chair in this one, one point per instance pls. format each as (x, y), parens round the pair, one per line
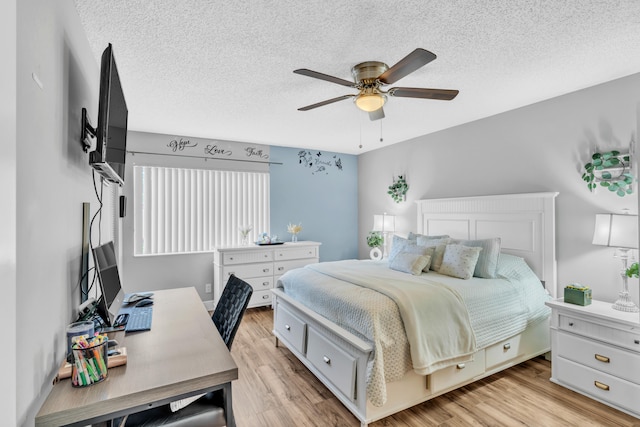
(208, 409)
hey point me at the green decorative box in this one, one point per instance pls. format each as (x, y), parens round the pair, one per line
(577, 294)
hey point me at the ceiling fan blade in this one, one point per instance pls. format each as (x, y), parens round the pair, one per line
(326, 77)
(328, 101)
(413, 92)
(407, 65)
(377, 114)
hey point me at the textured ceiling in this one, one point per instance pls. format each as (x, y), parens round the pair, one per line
(224, 70)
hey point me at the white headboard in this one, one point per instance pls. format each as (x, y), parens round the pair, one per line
(524, 222)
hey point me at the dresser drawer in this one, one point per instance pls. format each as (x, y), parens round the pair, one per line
(296, 253)
(334, 363)
(290, 328)
(503, 351)
(260, 283)
(454, 375)
(605, 358)
(627, 337)
(230, 258)
(260, 298)
(248, 271)
(598, 384)
(281, 267)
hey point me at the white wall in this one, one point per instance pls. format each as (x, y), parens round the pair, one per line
(53, 180)
(541, 147)
(8, 212)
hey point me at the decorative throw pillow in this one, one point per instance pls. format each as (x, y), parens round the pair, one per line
(409, 263)
(488, 261)
(438, 245)
(459, 261)
(420, 250)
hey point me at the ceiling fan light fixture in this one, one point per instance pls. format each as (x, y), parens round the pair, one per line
(370, 101)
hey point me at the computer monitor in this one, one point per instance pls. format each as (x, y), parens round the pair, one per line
(104, 258)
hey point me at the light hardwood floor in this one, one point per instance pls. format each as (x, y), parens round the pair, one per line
(275, 390)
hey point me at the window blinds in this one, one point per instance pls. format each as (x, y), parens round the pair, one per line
(191, 210)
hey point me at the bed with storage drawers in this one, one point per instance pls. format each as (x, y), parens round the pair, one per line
(368, 331)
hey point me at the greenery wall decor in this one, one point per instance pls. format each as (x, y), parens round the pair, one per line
(398, 189)
(611, 170)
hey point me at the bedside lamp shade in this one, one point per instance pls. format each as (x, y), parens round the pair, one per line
(621, 232)
(384, 223)
(618, 231)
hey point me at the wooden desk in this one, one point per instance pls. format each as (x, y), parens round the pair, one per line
(182, 355)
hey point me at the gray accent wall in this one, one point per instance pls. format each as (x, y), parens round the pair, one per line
(540, 147)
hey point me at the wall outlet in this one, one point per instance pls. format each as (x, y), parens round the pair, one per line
(207, 287)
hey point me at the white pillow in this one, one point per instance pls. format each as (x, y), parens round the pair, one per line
(398, 244)
(488, 260)
(409, 263)
(459, 261)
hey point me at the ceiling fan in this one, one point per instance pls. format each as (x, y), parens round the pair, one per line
(370, 76)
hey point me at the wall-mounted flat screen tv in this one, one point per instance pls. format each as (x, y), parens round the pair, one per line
(111, 134)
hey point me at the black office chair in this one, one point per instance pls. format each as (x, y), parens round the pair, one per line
(208, 410)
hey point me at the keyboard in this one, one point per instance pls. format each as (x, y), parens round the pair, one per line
(139, 319)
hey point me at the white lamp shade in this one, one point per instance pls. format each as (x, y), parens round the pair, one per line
(618, 231)
(385, 223)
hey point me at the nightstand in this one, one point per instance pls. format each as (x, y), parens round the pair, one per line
(595, 351)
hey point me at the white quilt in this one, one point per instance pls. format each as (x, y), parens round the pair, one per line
(495, 309)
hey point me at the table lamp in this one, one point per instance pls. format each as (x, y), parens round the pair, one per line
(385, 224)
(621, 232)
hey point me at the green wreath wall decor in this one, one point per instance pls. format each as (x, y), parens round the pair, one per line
(611, 170)
(398, 190)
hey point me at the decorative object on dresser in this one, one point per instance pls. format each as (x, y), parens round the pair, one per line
(620, 232)
(294, 229)
(244, 232)
(374, 241)
(596, 352)
(260, 266)
(386, 225)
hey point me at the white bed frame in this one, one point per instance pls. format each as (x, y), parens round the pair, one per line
(526, 225)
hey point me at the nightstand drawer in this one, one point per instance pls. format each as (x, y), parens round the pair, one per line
(605, 358)
(626, 337)
(598, 384)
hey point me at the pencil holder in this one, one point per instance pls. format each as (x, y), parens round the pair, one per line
(89, 364)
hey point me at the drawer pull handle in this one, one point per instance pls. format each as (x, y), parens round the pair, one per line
(326, 360)
(287, 327)
(636, 341)
(601, 386)
(507, 346)
(231, 258)
(280, 268)
(265, 270)
(265, 296)
(601, 358)
(265, 283)
(266, 256)
(460, 366)
(570, 323)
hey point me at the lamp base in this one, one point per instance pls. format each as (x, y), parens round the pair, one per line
(624, 303)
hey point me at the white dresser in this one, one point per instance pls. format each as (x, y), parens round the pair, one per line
(260, 266)
(596, 352)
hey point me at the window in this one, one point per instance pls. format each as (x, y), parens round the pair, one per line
(191, 210)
